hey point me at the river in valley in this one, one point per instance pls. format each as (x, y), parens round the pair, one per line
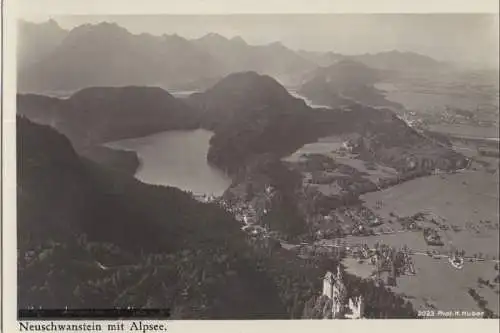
(176, 158)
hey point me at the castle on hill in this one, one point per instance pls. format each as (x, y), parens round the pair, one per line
(335, 290)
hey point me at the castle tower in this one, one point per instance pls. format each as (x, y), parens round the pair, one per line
(339, 289)
(334, 289)
(361, 306)
(356, 308)
(339, 293)
(328, 282)
(336, 309)
(339, 274)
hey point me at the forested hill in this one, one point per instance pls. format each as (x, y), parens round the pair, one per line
(251, 114)
(161, 247)
(99, 114)
(95, 115)
(346, 82)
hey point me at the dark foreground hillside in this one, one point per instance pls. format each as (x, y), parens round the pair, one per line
(161, 248)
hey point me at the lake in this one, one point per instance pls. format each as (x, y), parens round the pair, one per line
(176, 158)
(309, 102)
(293, 92)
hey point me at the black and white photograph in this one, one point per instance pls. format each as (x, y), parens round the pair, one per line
(259, 166)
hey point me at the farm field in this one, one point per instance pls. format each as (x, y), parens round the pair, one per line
(460, 90)
(467, 131)
(332, 147)
(463, 199)
(436, 283)
(467, 199)
(439, 284)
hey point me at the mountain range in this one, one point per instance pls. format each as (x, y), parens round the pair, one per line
(108, 55)
(54, 60)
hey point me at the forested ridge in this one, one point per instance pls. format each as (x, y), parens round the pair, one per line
(162, 247)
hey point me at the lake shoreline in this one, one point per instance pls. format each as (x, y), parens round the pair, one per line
(189, 170)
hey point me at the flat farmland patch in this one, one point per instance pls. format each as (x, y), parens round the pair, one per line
(436, 282)
(468, 200)
(465, 130)
(462, 199)
(445, 287)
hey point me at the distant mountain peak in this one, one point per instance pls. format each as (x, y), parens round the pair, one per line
(248, 89)
(99, 29)
(109, 92)
(247, 79)
(214, 36)
(399, 60)
(238, 39)
(53, 22)
(175, 38)
(348, 69)
(349, 62)
(277, 45)
(402, 54)
(49, 24)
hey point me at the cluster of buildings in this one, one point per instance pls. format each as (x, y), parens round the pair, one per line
(348, 146)
(363, 220)
(204, 197)
(244, 213)
(432, 237)
(386, 259)
(248, 214)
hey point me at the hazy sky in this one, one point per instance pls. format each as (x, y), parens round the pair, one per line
(470, 38)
